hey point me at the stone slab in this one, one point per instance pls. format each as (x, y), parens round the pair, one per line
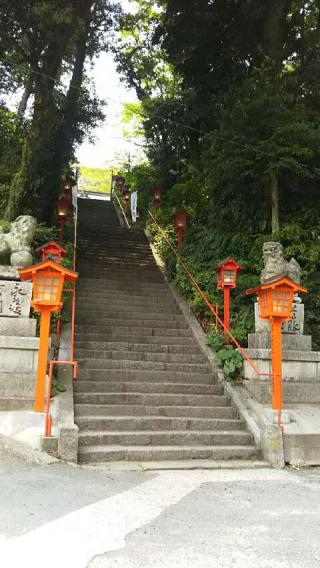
(299, 366)
(16, 403)
(8, 272)
(13, 342)
(294, 326)
(19, 360)
(19, 327)
(292, 342)
(302, 449)
(17, 385)
(293, 393)
(15, 298)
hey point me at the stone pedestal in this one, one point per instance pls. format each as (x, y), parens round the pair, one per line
(18, 346)
(300, 365)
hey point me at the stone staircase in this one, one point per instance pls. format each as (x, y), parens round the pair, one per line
(145, 390)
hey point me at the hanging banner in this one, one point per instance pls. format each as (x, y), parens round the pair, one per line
(133, 203)
(75, 196)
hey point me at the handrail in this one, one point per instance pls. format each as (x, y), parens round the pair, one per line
(55, 361)
(210, 306)
(122, 210)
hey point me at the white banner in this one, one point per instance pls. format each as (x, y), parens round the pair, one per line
(75, 196)
(133, 203)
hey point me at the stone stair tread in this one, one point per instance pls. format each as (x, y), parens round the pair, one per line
(143, 453)
(106, 364)
(152, 356)
(160, 421)
(141, 410)
(120, 346)
(151, 387)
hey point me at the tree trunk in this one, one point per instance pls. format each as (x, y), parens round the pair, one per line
(66, 132)
(274, 190)
(32, 185)
(25, 96)
(275, 30)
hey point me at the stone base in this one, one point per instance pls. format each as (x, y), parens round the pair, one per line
(293, 393)
(17, 385)
(18, 327)
(18, 355)
(302, 449)
(8, 272)
(303, 366)
(290, 342)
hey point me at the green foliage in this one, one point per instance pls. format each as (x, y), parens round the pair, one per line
(230, 361)
(226, 356)
(95, 179)
(44, 234)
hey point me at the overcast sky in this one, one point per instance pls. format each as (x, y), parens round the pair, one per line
(110, 146)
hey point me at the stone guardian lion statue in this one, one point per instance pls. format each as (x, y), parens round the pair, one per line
(275, 264)
(15, 246)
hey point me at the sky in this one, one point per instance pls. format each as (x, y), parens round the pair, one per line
(110, 146)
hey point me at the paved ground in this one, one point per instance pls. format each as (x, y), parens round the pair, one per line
(63, 516)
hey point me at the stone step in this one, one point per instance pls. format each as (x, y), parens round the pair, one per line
(102, 283)
(138, 339)
(142, 375)
(141, 423)
(104, 315)
(127, 302)
(123, 364)
(126, 282)
(120, 308)
(166, 438)
(129, 265)
(141, 356)
(144, 348)
(137, 399)
(189, 412)
(137, 328)
(82, 386)
(98, 454)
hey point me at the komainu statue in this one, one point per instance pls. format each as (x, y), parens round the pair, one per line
(15, 246)
(275, 264)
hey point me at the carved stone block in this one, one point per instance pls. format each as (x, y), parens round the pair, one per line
(15, 298)
(293, 326)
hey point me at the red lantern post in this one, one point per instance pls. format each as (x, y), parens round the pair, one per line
(180, 223)
(63, 211)
(226, 279)
(275, 298)
(126, 198)
(156, 197)
(51, 251)
(48, 278)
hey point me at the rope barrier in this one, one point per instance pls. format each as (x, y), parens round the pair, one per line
(205, 299)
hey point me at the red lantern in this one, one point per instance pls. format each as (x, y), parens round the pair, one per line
(226, 279)
(51, 251)
(156, 196)
(63, 210)
(227, 273)
(180, 223)
(48, 279)
(275, 298)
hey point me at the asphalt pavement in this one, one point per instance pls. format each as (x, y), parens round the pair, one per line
(60, 515)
